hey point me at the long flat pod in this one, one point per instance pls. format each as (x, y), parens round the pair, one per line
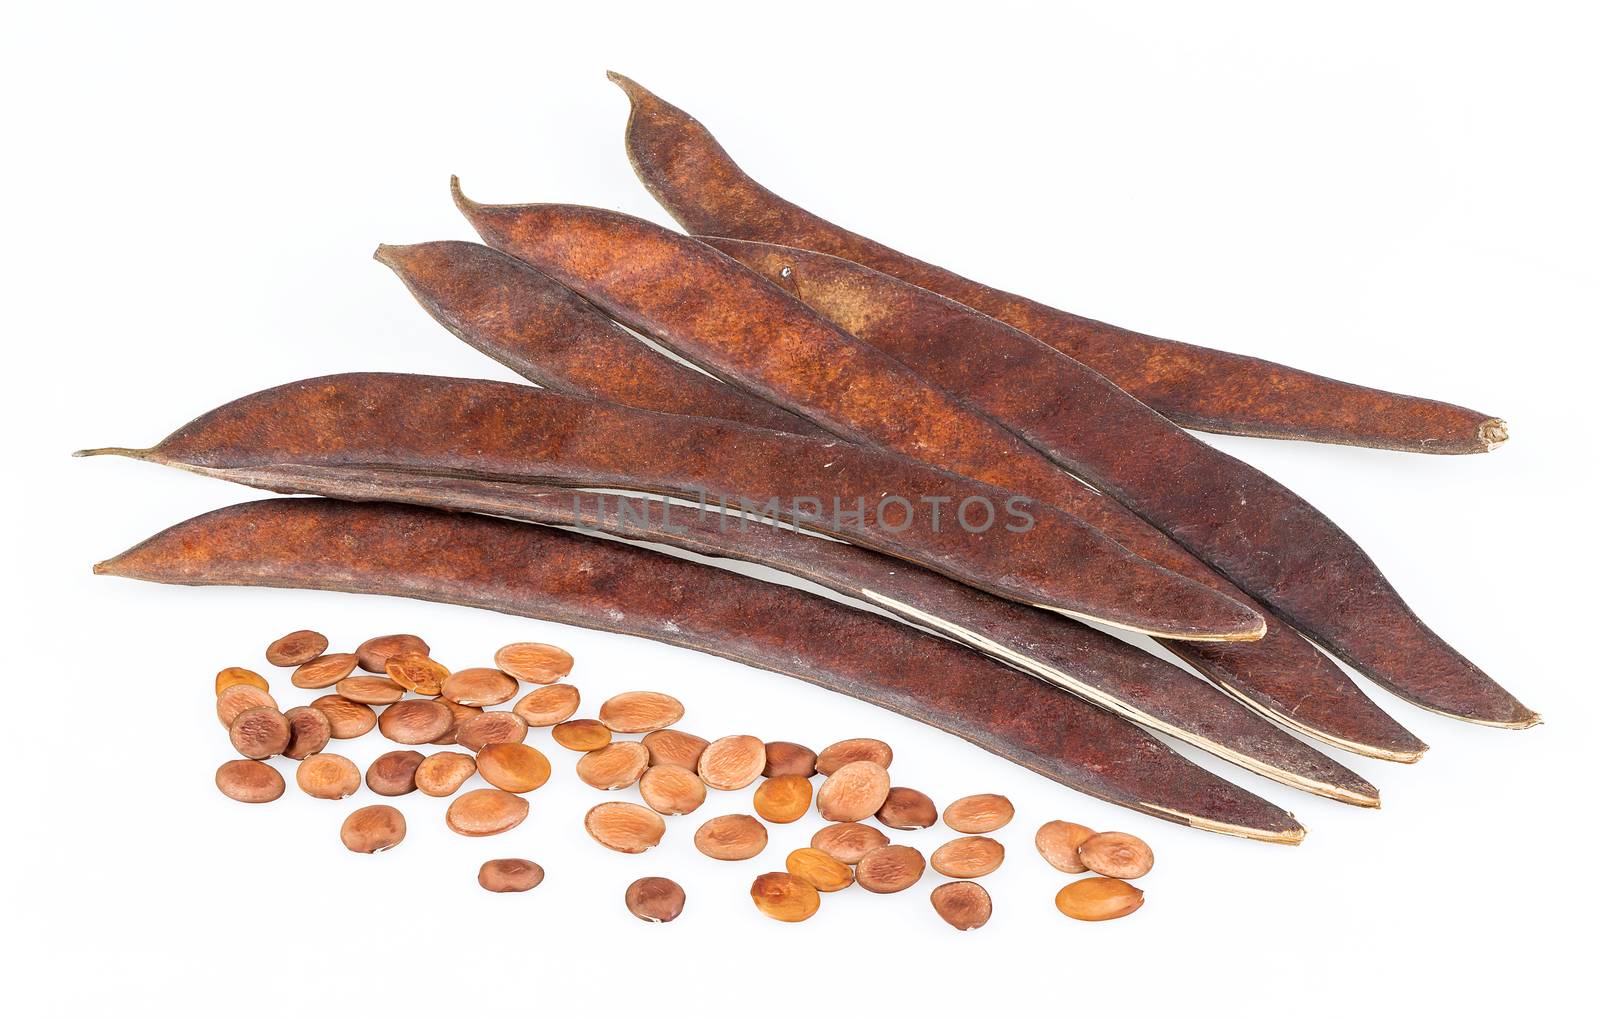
(696, 181)
(545, 573)
(444, 427)
(1270, 542)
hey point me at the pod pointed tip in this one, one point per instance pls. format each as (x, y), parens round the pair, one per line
(628, 85)
(385, 253)
(135, 454)
(465, 204)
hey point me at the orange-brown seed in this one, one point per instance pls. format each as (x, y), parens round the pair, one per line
(853, 792)
(241, 697)
(640, 711)
(624, 827)
(819, 870)
(1116, 854)
(514, 767)
(732, 762)
(485, 812)
(783, 799)
(374, 652)
(443, 773)
(581, 734)
(347, 718)
(848, 841)
(969, 856)
(534, 663)
(328, 776)
(373, 829)
(249, 781)
(907, 810)
(548, 705)
(964, 905)
(890, 869)
(1058, 842)
(785, 758)
(669, 789)
(234, 675)
(370, 689)
(323, 671)
(785, 897)
(489, 727)
(296, 648)
(1099, 898)
(479, 688)
(846, 751)
(979, 814)
(415, 672)
(259, 733)
(614, 766)
(670, 746)
(731, 837)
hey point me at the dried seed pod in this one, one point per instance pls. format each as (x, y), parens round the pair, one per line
(581, 734)
(670, 789)
(640, 711)
(969, 856)
(323, 671)
(846, 751)
(963, 905)
(370, 690)
(328, 776)
(625, 827)
(784, 758)
(670, 746)
(394, 773)
(783, 799)
(1099, 898)
(785, 897)
(848, 841)
(819, 870)
(854, 792)
(249, 781)
(514, 767)
(1058, 842)
(373, 829)
(414, 722)
(732, 762)
(260, 732)
(731, 837)
(348, 718)
(459, 715)
(296, 648)
(415, 672)
(241, 697)
(534, 663)
(235, 675)
(491, 727)
(479, 688)
(1116, 854)
(510, 875)
(485, 812)
(443, 773)
(375, 652)
(890, 869)
(309, 732)
(979, 813)
(614, 766)
(907, 810)
(548, 705)
(655, 899)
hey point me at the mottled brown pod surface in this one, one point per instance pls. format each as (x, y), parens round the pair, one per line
(479, 688)
(784, 758)
(309, 732)
(732, 762)
(907, 810)
(837, 755)
(581, 734)
(785, 897)
(373, 654)
(964, 905)
(548, 705)
(323, 671)
(783, 799)
(980, 813)
(890, 869)
(328, 776)
(533, 663)
(415, 722)
(235, 675)
(239, 698)
(655, 899)
(249, 781)
(510, 875)
(415, 672)
(819, 870)
(489, 727)
(514, 767)
(1099, 898)
(1058, 842)
(1117, 854)
(614, 766)
(848, 841)
(669, 746)
(731, 837)
(259, 733)
(296, 648)
(485, 812)
(347, 718)
(969, 856)
(443, 773)
(370, 690)
(640, 711)
(394, 773)
(625, 827)
(853, 792)
(671, 789)
(373, 829)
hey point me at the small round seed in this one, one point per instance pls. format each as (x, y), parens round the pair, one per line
(414, 722)
(819, 870)
(640, 711)
(370, 689)
(373, 829)
(582, 734)
(669, 789)
(783, 799)
(848, 841)
(1113, 854)
(416, 673)
(249, 781)
(258, 733)
(241, 697)
(328, 776)
(296, 648)
(979, 814)
(510, 875)
(847, 751)
(655, 899)
(907, 810)
(785, 897)
(348, 718)
(459, 713)
(234, 675)
(1099, 898)
(548, 705)
(731, 837)
(443, 773)
(625, 827)
(479, 688)
(485, 812)
(969, 856)
(1058, 842)
(963, 905)
(374, 653)
(785, 758)
(854, 792)
(394, 773)
(324, 670)
(514, 767)
(614, 766)
(534, 663)
(890, 869)
(669, 746)
(309, 731)
(732, 762)
(489, 727)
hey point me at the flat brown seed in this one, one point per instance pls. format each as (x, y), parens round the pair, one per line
(640, 711)
(414, 722)
(235, 675)
(548, 705)
(732, 762)
(614, 766)
(784, 799)
(323, 671)
(846, 751)
(373, 829)
(785, 758)
(785, 897)
(374, 653)
(491, 727)
(853, 792)
(485, 812)
(848, 841)
(655, 899)
(671, 790)
(1114, 854)
(890, 869)
(1058, 842)
(479, 688)
(963, 905)
(534, 663)
(976, 815)
(625, 827)
(370, 690)
(819, 870)
(249, 781)
(296, 648)
(415, 672)
(259, 733)
(459, 714)
(394, 773)
(731, 837)
(510, 875)
(328, 776)
(241, 697)
(348, 718)
(670, 746)
(1099, 898)
(583, 734)
(443, 773)
(969, 856)
(514, 767)
(309, 731)
(907, 810)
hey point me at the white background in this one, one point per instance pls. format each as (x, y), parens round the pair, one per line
(1398, 194)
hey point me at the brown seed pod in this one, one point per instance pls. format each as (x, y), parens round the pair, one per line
(394, 773)
(459, 714)
(1099, 898)
(348, 718)
(785, 897)
(614, 766)
(375, 652)
(1116, 854)
(414, 722)
(249, 781)
(670, 789)
(847, 751)
(625, 827)
(514, 767)
(783, 799)
(655, 899)
(969, 856)
(890, 869)
(732, 762)
(235, 675)
(479, 688)
(323, 671)
(979, 813)
(1058, 842)
(731, 837)
(907, 810)
(853, 792)
(309, 732)
(373, 829)
(443, 773)
(510, 875)
(640, 711)
(259, 733)
(784, 758)
(581, 734)
(819, 870)
(241, 697)
(328, 776)
(489, 727)
(370, 690)
(534, 663)
(963, 905)
(485, 812)
(548, 705)
(296, 648)
(415, 672)
(848, 841)
(670, 746)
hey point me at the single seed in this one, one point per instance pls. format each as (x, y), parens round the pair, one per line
(479, 688)
(235, 675)
(625, 827)
(375, 652)
(328, 776)
(348, 718)
(296, 648)
(1058, 842)
(1099, 898)
(514, 767)
(309, 731)
(979, 814)
(260, 732)
(1114, 854)
(854, 792)
(485, 812)
(416, 673)
(731, 837)
(655, 899)
(322, 671)
(614, 766)
(783, 799)
(640, 711)
(491, 727)
(534, 663)
(459, 714)
(548, 705)
(890, 869)
(819, 870)
(370, 690)
(964, 905)
(510, 875)
(443, 773)
(394, 773)
(670, 746)
(373, 829)
(785, 758)
(732, 762)
(847, 751)
(414, 722)
(907, 810)
(785, 897)
(241, 697)
(249, 781)
(669, 789)
(848, 841)
(969, 856)
(583, 734)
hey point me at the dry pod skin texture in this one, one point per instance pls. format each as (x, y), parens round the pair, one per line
(370, 690)
(394, 773)
(1117, 854)
(328, 776)
(296, 648)
(671, 789)
(907, 810)
(415, 672)
(582, 734)
(784, 799)
(323, 671)
(848, 751)
(485, 812)
(819, 870)
(548, 705)
(239, 698)
(375, 652)
(731, 837)
(249, 781)
(373, 829)
(491, 727)
(785, 897)
(416, 722)
(640, 711)
(785, 758)
(1099, 898)
(854, 792)
(443, 773)
(309, 732)
(890, 869)
(655, 899)
(235, 675)
(625, 827)
(514, 767)
(848, 841)
(510, 875)
(669, 746)
(615, 766)
(1058, 842)
(479, 688)
(347, 718)
(534, 663)
(978, 814)
(259, 733)
(964, 905)
(732, 762)
(971, 856)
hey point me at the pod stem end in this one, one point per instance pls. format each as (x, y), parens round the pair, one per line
(132, 454)
(1493, 433)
